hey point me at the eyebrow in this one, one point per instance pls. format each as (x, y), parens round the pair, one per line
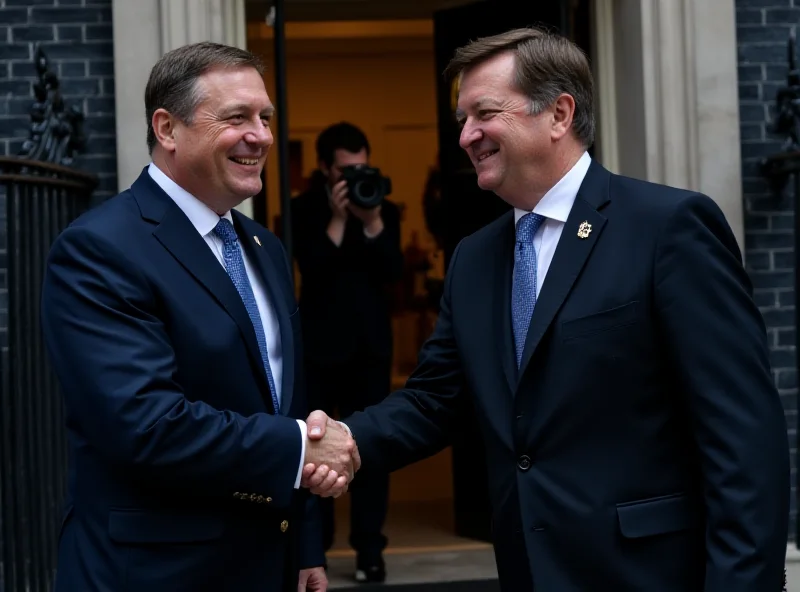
(267, 112)
(482, 102)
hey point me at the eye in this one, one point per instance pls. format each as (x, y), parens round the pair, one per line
(486, 113)
(237, 118)
(265, 120)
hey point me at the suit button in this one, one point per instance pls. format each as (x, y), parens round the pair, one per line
(524, 462)
(237, 495)
(284, 526)
(260, 499)
(268, 500)
(253, 497)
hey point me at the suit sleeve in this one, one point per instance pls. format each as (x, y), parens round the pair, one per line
(112, 354)
(312, 553)
(418, 421)
(313, 249)
(717, 343)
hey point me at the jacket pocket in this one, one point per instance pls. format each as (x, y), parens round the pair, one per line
(660, 515)
(605, 320)
(140, 526)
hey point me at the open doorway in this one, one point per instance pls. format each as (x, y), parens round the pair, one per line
(383, 73)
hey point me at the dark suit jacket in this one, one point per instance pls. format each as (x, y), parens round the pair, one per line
(181, 475)
(642, 445)
(344, 297)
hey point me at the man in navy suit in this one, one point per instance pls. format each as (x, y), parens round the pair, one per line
(605, 334)
(172, 326)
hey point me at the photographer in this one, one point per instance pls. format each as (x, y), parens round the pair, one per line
(349, 256)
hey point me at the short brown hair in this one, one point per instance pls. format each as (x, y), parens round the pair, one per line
(173, 80)
(548, 65)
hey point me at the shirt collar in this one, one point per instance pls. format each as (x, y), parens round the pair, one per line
(203, 218)
(557, 202)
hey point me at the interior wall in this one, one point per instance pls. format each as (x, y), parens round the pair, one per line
(381, 77)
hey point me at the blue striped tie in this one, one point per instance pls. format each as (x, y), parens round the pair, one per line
(234, 264)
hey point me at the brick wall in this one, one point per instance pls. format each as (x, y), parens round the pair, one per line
(77, 38)
(763, 28)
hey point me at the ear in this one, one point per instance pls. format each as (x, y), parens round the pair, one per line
(324, 168)
(164, 128)
(563, 113)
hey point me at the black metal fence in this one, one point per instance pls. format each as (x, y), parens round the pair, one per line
(41, 200)
(43, 194)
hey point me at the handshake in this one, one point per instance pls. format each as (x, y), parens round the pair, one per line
(331, 459)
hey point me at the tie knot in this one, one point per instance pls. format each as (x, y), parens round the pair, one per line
(224, 230)
(527, 227)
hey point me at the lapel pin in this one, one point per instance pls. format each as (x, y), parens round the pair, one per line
(258, 242)
(584, 229)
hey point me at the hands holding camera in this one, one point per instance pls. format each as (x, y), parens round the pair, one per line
(342, 207)
(331, 459)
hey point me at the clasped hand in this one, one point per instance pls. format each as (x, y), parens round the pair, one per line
(331, 459)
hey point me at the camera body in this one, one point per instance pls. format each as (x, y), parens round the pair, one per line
(366, 187)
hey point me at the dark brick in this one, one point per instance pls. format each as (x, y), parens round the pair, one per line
(69, 33)
(66, 15)
(19, 106)
(784, 260)
(3, 70)
(782, 16)
(752, 186)
(30, 2)
(752, 113)
(23, 70)
(772, 279)
(749, 17)
(80, 87)
(36, 33)
(14, 127)
(786, 299)
(778, 317)
(102, 32)
(759, 34)
(77, 51)
(760, 149)
(101, 68)
(752, 73)
(758, 261)
(782, 358)
(15, 87)
(749, 91)
(786, 338)
(775, 73)
(15, 51)
(774, 53)
(107, 87)
(783, 221)
(72, 69)
(100, 105)
(13, 16)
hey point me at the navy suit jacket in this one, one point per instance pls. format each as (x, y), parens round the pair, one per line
(181, 474)
(642, 444)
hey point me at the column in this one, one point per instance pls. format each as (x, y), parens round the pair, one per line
(676, 96)
(145, 30)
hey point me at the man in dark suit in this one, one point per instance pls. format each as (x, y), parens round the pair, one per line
(172, 326)
(348, 258)
(605, 334)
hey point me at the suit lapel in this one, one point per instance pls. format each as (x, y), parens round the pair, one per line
(266, 262)
(570, 256)
(176, 233)
(502, 306)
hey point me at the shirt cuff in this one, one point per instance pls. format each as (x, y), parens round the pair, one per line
(303, 437)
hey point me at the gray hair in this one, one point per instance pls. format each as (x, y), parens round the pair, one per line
(173, 80)
(547, 65)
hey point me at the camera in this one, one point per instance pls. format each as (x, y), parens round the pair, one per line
(366, 187)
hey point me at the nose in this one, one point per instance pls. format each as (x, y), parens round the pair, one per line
(260, 135)
(469, 135)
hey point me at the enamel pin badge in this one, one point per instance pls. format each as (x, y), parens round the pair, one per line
(258, 242)
(584, 230)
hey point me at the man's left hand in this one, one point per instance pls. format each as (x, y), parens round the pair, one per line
(312, 580)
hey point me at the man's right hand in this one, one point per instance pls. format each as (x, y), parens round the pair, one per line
(334, 457)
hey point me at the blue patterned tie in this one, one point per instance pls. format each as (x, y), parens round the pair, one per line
(523, 297)
(234, 264)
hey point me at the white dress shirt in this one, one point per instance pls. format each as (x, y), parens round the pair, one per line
(204, 219)
(555, 206)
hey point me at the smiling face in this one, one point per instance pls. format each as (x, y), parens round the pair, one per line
(219, 156)
(508, 146)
